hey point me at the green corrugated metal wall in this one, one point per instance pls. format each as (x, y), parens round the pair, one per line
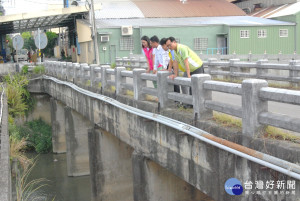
(272, 44)
(185, 34)
(113, 46)
(295, 19)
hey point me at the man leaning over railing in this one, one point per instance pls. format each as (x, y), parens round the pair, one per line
(190, 62)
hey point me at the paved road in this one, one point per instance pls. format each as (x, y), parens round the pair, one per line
(281, 108)
(275, 107)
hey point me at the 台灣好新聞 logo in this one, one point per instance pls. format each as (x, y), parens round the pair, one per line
(233, 186)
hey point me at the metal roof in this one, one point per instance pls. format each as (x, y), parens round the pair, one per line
(119, 9)
(266, 12)
(44, 19)
(191, 8)
(190, 21)
(289, 10)
(166, 8)
(278, 11)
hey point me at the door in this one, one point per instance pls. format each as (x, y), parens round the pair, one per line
(222, 44)
(112, 54)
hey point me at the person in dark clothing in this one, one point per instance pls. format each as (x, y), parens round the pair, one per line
(62, 54)
(13, 55)
(42, 56)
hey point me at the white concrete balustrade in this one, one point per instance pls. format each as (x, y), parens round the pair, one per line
(254, 93)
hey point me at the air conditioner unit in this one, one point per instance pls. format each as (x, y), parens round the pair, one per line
(104, 38)
(126, 30)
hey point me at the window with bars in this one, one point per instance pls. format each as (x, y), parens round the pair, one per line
(283, 33)
(200, 43)
(244, 34)
(126, 43)
(262, 33)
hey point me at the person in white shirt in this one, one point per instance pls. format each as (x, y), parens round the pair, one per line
(157, 54)
(167, 55)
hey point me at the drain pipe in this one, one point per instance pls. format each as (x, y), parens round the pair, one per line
(269, 161)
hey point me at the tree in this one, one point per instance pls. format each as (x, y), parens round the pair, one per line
(28, 41)
(52, 38)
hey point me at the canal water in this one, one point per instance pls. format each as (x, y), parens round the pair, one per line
(53, 167)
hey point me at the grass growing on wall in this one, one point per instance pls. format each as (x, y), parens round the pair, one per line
(18, 97)
(25, 69)
(39, 69)
(227, 120)
(278, 134)
(270, 132)
(36, 133)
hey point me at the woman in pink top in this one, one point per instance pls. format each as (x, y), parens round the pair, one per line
(147, 50)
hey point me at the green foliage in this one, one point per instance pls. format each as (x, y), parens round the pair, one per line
(52, 37)
(24, 69)
(40, 69)
(18, 97)
(17, 146)
(28, 41)
(41, 135)
(113, 65)
(227, 120)
(26, 35)
(67, 59)
(279, 134)
(37, 134)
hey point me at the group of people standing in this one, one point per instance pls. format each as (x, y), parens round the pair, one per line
(167, 54)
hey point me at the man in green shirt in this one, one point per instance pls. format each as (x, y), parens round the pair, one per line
(189, 61)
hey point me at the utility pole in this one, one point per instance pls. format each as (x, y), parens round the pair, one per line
(95, 39)
(39, 53)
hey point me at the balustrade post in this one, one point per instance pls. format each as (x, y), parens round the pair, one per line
(279, 56)
(210, 66)
(104, 76)
(138, 84)
(295, 65)
(163, 88)
(233, 68)
(62, 66)
(93, 74)
(265, 55)
(261, 71)
(57, 66)
(119, 79)
(82, 73)
(252, 106)
(76, 68)
(200, 95)
(250, 56)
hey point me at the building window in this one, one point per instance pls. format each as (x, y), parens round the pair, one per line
(126, 43)
(262, 33)
(283, 33)
(245, 34)
(200, 43)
